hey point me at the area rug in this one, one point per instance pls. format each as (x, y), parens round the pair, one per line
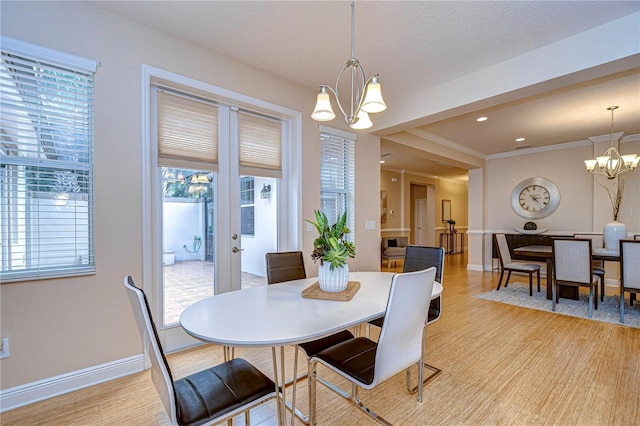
(608, 311)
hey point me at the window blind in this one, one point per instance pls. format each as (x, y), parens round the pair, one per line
(187, 132)
(337, 177)
(46, 163)
(260, 146)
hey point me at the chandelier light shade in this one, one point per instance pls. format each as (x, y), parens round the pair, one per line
(611, 163)
(366, 94)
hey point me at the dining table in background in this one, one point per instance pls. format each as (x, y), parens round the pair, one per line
(277, 315)
(546, 253)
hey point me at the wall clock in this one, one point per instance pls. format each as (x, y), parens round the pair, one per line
(535, 198)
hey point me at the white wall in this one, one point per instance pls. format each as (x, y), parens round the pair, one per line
(266, 235)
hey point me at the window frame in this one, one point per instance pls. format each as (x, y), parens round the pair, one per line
(58, 166)
(343, 143)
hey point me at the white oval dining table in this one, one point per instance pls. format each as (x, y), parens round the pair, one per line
(277, 316)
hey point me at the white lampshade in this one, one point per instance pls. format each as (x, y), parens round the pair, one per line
(363, 121)
(628, 159)
(602, 160)
(323, 110)
(373, 101)
(635, 162)
(591, 164)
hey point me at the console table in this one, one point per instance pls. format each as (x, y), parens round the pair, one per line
(452, 242)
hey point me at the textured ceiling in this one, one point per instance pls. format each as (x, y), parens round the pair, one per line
(414, 45)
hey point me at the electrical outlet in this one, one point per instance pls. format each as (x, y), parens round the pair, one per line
(4, 348)
(309, 227)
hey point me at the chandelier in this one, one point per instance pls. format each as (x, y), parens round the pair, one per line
(611, 163)
(366, 95)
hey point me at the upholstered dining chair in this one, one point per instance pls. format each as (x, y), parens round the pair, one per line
(597, 241)
(288, 266)
(506, 264)
(401, 344)
(206, 397)
(629, 271)
(418, 258)
(572, 267)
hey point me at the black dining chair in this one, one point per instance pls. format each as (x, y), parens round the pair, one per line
(289, 266)
(206, 397)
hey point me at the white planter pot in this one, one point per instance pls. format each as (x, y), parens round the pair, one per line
(333, 281)
(614, 232)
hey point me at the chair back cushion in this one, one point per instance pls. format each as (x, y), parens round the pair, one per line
(160, 372)
(400, 342)
(503, 249)
(597, 240)
(572, 260)
(630, 263)
(285, 266)
(418, 258)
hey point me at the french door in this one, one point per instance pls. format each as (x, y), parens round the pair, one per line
(212, 217)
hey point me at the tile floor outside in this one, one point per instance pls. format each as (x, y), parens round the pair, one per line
(187, 282)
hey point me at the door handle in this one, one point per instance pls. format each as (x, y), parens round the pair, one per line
(235, 250)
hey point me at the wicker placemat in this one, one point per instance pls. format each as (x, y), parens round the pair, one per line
(314, 292)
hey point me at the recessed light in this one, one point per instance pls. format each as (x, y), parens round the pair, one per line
(381, 161)
(482, 118)
(521, 139)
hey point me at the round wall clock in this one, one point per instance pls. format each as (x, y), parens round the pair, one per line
(535, 198)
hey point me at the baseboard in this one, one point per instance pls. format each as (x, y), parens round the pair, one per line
(472, 267)
(44, 389)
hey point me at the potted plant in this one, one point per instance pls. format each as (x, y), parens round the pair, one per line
(332, 250)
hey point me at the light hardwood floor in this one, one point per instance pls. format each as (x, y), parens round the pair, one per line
(501, 365)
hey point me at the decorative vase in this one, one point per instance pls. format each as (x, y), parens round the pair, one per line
(614, 232)
(333, 281)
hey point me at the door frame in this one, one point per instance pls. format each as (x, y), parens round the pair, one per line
(289, 201)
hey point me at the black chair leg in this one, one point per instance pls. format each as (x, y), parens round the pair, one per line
(500, 280)
(530, 284)
(538, 276)
(508, 277)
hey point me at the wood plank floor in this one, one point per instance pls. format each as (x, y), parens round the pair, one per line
(501, 365)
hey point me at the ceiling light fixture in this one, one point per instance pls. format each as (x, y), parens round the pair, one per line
(611, 163)
(366, 95)
(521, 139)
(479, 119)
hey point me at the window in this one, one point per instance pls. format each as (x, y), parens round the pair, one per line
(46, 167)
(247, 205)
(337, 170)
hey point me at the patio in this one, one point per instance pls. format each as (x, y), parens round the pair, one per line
(186, 282)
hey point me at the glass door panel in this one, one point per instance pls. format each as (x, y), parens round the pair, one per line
(259, 227)
(188, 239)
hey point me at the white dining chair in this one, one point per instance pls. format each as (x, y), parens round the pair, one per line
(401, 344)
(204, 398)
(506, 264)
(629, 271)
(572, 267)
(597, 241)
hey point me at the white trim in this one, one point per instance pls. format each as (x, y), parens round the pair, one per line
(337, 132)
(396, 230)
(471, 267)
(58, 385)
(445, 142)
(546, 148)
(49, 55)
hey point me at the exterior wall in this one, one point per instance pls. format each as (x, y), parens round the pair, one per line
(87, 321)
